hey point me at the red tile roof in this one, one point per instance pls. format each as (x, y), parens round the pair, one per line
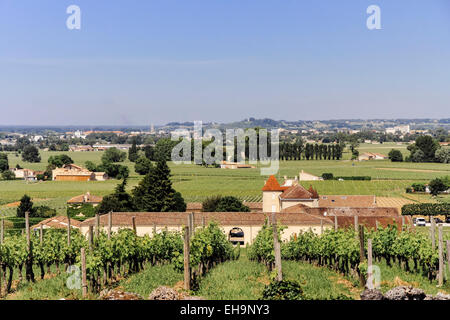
(85, 198)
(124, 219)
(273, 185)
(59, 222)
(296, 192)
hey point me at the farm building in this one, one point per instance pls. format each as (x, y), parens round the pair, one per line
(235, 165)
(248, 223)
(103, 147)
(71, 172)
(86, 198)
(81, 148)
(372, 156)
(101, 176)
(25, 174)
(277, 197)
(197, 206)
(305, 176)
(359, 201)
(59, 222)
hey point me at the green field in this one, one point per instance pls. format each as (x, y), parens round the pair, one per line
(196, 182)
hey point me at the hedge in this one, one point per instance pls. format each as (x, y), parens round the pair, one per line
(366, 178)
(426, 209)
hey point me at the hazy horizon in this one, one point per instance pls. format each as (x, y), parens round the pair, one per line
(136, 63)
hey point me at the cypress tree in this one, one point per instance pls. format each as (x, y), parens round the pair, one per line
(133, 152)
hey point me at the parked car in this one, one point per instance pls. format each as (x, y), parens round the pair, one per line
(420, 222)
(447, 219)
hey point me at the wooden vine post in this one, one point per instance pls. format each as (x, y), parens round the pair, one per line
(356, 224)
(91, 237)
(29, 262)
(97, 225)
(432, 231)
(362, 256)
(109, 224)
(68, 230)
(441, 257)
(133, 222)
(277, 249)
(83, 273)
(335, 223)
(2, 231)
(369, 264)
(187, 267)
(191, 225)
(41, 234)
(448, 255)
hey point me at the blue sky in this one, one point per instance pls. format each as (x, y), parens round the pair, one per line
(138, 62)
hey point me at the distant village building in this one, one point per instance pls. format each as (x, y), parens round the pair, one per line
(71, 172)
(80, 148)
(402, 129)
(235, 165)
(101, 176)
(372, 156)
(103, 147)
(25, 174)
(305, 176)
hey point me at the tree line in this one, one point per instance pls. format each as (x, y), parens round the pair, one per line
(309, 151)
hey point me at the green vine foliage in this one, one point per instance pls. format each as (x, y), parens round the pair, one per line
(340, 250)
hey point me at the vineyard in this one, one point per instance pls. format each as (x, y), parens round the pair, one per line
(108, 256)
(105, 259)
(341, 250)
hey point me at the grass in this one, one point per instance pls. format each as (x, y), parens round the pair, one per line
(151, 278)
(394, 276)
(245, 280)
(52, 287)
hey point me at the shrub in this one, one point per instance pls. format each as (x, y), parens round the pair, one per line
(327, 176)
(365, 178)
(418, 187)
(395, 155)
(283, 290)
(44, 212)
(426, 209)
(8, 175)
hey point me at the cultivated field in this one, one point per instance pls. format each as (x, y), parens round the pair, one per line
(196, 182)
